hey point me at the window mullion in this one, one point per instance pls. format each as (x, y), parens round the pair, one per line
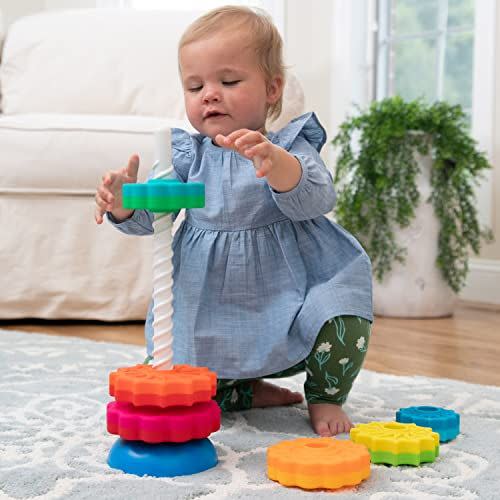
(383, 69)
(441, 47)
(429, 34)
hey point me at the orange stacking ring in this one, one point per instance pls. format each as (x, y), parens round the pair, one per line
(143, 385)
(312, 463)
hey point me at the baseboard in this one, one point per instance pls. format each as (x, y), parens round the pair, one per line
(483, 282)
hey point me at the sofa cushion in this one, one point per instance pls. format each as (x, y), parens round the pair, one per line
(102, 61)
(95, 61)
(57, 153)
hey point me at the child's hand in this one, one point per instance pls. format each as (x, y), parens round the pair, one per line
(109, 193)
(252, 145)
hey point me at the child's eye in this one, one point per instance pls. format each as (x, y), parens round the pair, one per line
(233, 82)
(195, 89)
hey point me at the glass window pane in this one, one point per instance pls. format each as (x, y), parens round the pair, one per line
(414, 69)
(414, 16)
(458, 69)
(460, 13)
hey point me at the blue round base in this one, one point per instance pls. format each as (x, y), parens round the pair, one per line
(164, 459)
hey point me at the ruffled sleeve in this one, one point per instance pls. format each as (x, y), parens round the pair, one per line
(306, 126)
(314, 195)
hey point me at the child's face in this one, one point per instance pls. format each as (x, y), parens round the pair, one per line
(224, 89)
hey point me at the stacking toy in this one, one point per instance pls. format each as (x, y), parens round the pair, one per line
(445, 422)
(312, 463)
(162, 413)
(397, 444)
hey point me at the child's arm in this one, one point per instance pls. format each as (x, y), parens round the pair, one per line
(281, 169)
(302, 186)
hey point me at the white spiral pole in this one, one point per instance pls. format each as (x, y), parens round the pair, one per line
(162, 263)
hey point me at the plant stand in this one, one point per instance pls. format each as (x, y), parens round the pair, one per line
(416, 289)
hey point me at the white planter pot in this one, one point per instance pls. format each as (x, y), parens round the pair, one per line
(416, 289)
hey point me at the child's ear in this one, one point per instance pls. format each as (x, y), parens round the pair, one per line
(275, 89)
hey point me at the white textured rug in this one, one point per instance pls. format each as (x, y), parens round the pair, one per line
(53, 440)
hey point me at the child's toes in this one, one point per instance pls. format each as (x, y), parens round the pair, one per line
(341, 427)
(334, 427)
(323, 429)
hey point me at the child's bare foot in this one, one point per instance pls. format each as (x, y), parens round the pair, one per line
(329, 419)
(266, 394)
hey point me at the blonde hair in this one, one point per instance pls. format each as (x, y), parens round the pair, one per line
(265, 39)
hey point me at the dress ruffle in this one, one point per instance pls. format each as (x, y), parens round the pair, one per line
(306, 126)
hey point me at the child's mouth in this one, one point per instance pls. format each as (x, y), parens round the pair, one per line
(214, 115)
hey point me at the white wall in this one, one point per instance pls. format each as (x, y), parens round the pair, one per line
(308, 50)
(493, 251)
(484, 277)
(12, 9)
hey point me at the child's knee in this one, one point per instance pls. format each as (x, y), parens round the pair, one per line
(336, 359)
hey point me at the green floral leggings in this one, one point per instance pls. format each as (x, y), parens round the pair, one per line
(331, 367)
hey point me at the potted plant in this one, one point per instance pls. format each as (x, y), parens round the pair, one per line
(405, 180)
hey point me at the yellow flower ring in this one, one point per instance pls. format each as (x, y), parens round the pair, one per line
(395, 443)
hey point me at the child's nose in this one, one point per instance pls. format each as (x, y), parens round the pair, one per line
(211, 95)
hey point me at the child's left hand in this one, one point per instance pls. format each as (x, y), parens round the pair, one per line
(252, 145)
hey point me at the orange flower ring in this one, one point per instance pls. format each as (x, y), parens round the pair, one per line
(143, 385)
(312, 463)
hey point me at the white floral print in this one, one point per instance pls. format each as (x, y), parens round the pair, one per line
(234, 396)
(324, 347)
(360, 343)
(332, 390)
(346, 366)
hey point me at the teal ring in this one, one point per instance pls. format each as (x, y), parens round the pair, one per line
(163, 195)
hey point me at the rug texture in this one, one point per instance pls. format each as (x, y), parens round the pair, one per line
(54, 444)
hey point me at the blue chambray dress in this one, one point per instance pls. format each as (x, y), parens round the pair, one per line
(256, 272)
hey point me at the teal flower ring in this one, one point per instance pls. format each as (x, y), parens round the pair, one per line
(163, 195)
(445, 422)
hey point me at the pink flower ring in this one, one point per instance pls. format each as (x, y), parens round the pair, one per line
(153, 424)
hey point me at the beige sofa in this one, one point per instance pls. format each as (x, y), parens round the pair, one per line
(81, 90)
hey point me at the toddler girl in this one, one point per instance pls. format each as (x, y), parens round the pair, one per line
(264, 284)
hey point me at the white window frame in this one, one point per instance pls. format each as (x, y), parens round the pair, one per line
(483, 98)
(483, 91)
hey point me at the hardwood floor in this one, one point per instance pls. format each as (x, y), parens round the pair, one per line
(464, 347)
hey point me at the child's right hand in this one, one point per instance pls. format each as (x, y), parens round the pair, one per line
(109, 193)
